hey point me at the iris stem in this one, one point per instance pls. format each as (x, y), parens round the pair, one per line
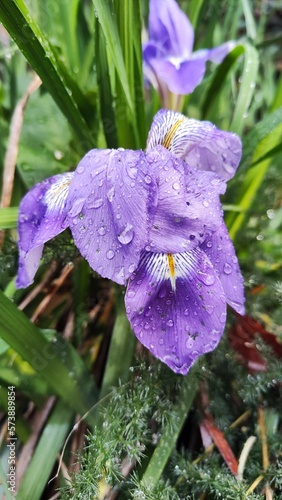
(171, 431)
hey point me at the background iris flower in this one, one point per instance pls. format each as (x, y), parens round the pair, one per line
(168, 58)
(152, 219)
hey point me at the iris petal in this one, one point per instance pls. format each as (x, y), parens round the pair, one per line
(42, 216)
(170, 27)
(188, 208)
(219, 248)
(178, 311)
(108, 210)
(199, 143)
(180, 75)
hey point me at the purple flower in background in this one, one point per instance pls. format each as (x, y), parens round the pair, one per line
(169, 60)
(152, 220)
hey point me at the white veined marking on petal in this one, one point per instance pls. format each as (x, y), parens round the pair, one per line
(56, 195)
(162, 266)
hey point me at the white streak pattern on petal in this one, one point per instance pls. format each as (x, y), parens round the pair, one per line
(157, 265)
(56, 195)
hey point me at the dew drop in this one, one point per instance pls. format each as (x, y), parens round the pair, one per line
(95, 203)
(131, 293)
(111, 194)
(205, 204)
(170, 322)
(227, 268)
(110, 254)
(161, 341)
(80, 169)
(189, 343)
(131, 268)
(176, 186)
(77, 206)
(101, 230)
(186, 312)
(127, 235)
(222, 317)
(148, 179)
(209, 309)
(209, 244)
(207, 279)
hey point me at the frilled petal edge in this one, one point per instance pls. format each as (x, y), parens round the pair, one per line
(176, 306)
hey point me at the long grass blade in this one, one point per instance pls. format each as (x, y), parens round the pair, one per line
(42, 57)
(46, 454)
(57, 362)
(247, 88)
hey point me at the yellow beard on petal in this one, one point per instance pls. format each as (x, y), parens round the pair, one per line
(170, 134)
(171, 267)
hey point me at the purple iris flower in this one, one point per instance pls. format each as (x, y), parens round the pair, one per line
(152, 220)
(169, 60)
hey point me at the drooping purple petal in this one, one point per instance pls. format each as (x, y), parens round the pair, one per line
(179, 74)
(188, 208)
(108, 210)
(176, 306)
(199, 143)
(219, 249)
(169, 28)
(42, 216)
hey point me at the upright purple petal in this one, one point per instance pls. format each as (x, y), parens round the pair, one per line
(199, 143)
(188, 208)
(176, 307)
(42, 216)
(108, 210)
(219, 248)
(169, 28)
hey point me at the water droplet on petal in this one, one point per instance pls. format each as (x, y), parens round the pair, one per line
(127, 235)
(207, 279)
(209, 309)
(205, 204)
(148, 179)
(170, 322)
(209, 244)
(131, 268)
(98, 202)
(77, 206)
(176, 186)
(110, 254)
(131, 293)
(222, 318)
(161, 341)
(111, 194)
(101, 230)
(189, 343)
(80, 169)
(227, 268)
